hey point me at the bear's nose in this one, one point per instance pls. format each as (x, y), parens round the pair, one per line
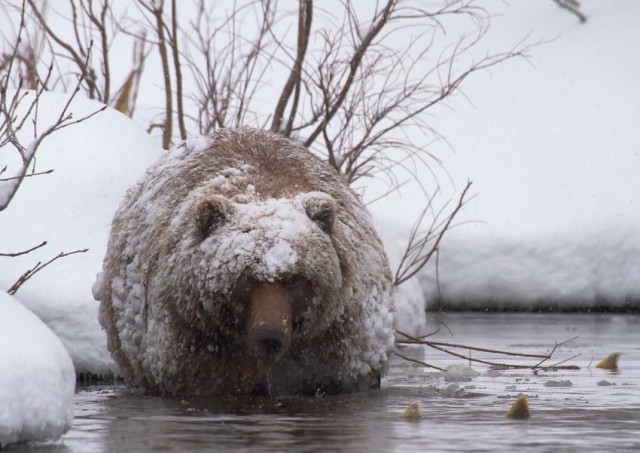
(269, 341)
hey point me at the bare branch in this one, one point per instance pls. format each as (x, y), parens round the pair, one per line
(305, 17)
(231, 74)
(101, 24)
(419, 362)
(156, 8)
(80, 58)
(24, 252)
(415, 257)
(446, 348)
(354, 64)
(10, 124)
(37, 268)
(573, 7)
(176, 62)
(28, 175)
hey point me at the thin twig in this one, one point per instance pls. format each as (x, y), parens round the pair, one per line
(156, 9)
(354, 65)
(572, 6)
(305, 16)
(25, 251)
(79, 58)
(415, 262)
(419, 362)
(11, 124)
(443, 347)
(173, 42)
(471, 348)
(37, 268)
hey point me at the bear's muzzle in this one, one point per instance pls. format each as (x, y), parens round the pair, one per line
(269, 321)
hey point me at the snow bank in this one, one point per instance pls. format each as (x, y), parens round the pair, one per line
(37, 380)
(552, 148)
(94, 162)
(410, 315)
(577, 270)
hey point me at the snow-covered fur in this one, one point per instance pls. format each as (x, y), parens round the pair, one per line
(231, 237)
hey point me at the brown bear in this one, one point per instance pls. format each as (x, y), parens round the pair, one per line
(243, 263)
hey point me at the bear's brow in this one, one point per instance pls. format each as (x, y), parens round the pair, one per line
(281, 170)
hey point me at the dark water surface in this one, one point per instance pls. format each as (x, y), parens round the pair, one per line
(589, 409)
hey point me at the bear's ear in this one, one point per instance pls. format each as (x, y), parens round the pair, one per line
(210, 214)
(321, 208)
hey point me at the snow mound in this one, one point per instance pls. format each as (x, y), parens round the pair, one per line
(459, 373)
(410, 315)
(37, 381)
(94, 162)
(587, 269)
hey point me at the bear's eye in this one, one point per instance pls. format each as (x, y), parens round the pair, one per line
(323, 212)
(293, 283)
(297, 324)
(210, 215)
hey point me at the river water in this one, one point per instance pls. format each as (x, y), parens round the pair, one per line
(589, 409)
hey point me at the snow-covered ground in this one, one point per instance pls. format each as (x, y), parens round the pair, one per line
(37, 380)
(94, 162)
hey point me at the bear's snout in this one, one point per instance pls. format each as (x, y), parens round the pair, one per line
(269, 320)
(269, 341)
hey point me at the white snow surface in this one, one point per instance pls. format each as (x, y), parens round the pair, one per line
(94, 162)
(459, 373)
(552, 146)
(410, 315)
(37, 381)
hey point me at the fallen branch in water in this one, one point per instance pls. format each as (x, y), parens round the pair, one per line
(447, 348)
(419, 362)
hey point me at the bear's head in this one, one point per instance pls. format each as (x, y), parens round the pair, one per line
(257, 273)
